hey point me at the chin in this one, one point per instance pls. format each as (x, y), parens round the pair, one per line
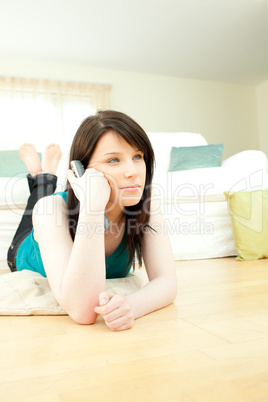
(130, 202)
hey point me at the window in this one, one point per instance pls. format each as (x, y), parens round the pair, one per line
(49, 110)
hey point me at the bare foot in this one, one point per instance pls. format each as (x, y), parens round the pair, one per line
(52, 158)
(29, 156)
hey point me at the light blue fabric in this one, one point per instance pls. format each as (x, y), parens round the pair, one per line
(29, 257)
(203, 156)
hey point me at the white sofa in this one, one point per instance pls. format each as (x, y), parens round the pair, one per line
(192, 201)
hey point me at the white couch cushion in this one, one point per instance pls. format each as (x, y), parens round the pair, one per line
(208, 181)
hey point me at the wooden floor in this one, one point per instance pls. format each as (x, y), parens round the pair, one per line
(210, 345)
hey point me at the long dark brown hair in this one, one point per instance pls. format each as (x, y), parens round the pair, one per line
(83, 146)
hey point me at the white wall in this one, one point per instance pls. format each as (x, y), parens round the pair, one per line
(262, 104)
(223, 113)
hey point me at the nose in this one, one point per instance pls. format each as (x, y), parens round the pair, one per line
(130, 169)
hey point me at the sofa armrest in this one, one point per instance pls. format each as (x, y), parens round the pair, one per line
(248, 160)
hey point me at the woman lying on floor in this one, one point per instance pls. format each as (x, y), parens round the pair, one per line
(62, 235)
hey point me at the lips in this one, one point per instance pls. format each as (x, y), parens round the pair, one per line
(133, 187)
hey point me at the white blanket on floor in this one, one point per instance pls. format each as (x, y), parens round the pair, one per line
(28, 293)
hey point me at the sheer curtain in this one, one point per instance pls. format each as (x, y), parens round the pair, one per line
(32, 109)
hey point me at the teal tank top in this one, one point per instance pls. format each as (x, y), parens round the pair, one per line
(29, 257)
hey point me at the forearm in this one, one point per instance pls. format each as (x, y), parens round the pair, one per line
(157, 294)
(84, 277)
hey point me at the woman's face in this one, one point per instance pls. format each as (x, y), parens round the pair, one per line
(123, 166)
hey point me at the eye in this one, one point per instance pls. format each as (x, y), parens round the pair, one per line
(113, 160)
(138, 156)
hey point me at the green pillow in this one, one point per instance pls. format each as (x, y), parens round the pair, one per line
(11, 165)
(249, 216)
(204, 156)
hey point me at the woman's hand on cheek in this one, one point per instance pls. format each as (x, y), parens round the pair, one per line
(115, 311)
(91, 189)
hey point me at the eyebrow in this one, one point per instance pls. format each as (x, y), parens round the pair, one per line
(113, 153)
(119, 153)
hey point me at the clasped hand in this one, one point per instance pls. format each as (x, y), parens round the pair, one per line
(115, 311)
